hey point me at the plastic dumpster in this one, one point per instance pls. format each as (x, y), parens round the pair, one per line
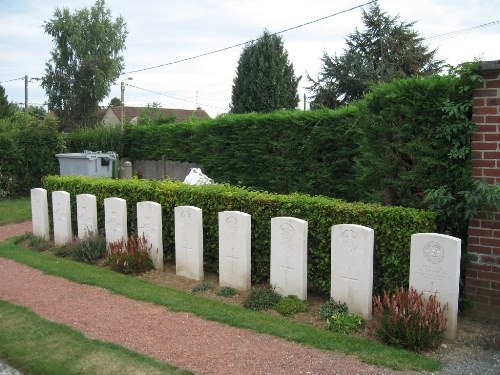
(87, 163)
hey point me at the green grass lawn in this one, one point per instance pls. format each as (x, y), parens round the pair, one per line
(37, 346)
(134, 288)
(15, 210)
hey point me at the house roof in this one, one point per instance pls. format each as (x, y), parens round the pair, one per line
(180, 115)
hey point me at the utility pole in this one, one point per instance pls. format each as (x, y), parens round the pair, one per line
(122, 110)
(122, 98)
(26, 94)
(304, 101)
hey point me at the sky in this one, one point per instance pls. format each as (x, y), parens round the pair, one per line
(163, 32)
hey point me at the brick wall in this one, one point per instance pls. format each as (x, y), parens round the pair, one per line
(483, 275)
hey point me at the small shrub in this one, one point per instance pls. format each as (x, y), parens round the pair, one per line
(226, 291)
(291, 305)
(64, 251)
(344, 322)
(201, 287)
(405, 320)
(261, 299)
(89, 249)
(130, 257)
(37, 243)
(327, 309)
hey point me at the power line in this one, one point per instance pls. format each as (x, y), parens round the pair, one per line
(249, 41)
(452, 34)
(13, 79)
(173, 97)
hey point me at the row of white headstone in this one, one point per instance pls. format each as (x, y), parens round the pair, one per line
(434, 260)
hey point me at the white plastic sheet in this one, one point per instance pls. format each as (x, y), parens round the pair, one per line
(196, 177)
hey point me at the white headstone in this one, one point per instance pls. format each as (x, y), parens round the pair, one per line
(86, 214)
(115, 218)
(289, 256)
(40, 213)
(149, 226)
(435, 270)
(235, 249)
(352, 267)
(189, 242)
(61, 215)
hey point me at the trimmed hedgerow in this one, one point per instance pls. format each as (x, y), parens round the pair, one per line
(393, 225)
(310, 152)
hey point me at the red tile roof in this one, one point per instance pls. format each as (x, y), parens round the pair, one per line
(181, 115)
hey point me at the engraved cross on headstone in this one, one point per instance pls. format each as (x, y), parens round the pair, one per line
(233, 259)
(286, 268)
(350, 284)
(432, 291)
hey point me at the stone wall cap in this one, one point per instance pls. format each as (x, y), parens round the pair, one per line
(489, 65)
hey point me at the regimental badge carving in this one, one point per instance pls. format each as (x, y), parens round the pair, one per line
(232, 224)
(350, 240)
(433, 252)
(286, 232)
(185, 218)
(113, 223)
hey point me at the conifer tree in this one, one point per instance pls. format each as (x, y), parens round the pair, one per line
(265, 80)
(388, 48)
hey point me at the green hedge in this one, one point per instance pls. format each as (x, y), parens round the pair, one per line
(310, 152)
(103, 138)
(393, 225)
(27, 152)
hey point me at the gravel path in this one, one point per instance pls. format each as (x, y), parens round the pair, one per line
(207, 347)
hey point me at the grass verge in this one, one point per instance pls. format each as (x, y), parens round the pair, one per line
(367, 351)
(15, 210)
(37, 346)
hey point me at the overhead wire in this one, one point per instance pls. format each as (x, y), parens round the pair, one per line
(249, 41)
(173, 97)
(453, 34)
(13, 79)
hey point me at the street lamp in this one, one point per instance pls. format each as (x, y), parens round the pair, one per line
(122, 87)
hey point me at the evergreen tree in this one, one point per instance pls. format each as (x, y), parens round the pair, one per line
(85, 61)
(265, 80)
(386, 49)
(6, 109)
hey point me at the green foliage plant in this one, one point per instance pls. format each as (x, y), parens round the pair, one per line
(100, 138)
(27, 153)
(37, 243)
(331, 307)
(405, 320)
(201, 287)
(262, 298)
(85, 61)
(7, 108)
(130, 257)
(344, 322)
(291, 305)
(226, 291)
(88, 249)
(388, 48)
(393, 225)
(265, 80)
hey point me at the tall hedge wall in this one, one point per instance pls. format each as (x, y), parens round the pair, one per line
(286, 151)
(393, 225)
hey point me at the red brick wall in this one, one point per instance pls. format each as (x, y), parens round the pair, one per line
(482, 283)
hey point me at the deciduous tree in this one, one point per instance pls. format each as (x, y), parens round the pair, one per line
(85, 61)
